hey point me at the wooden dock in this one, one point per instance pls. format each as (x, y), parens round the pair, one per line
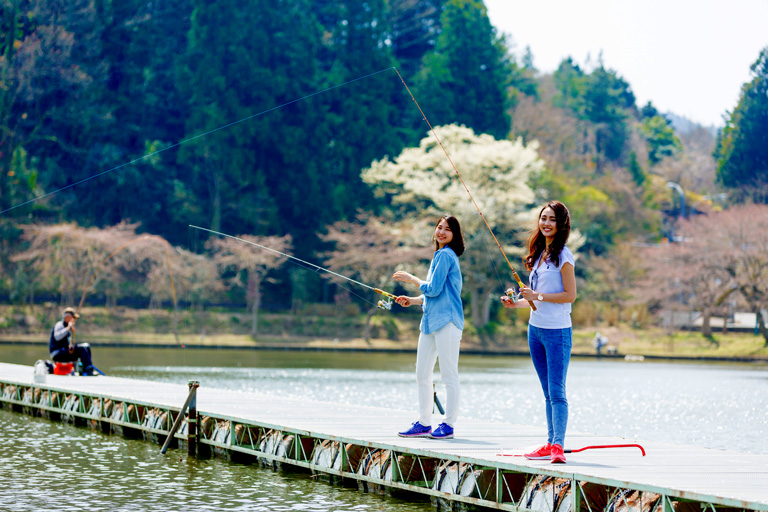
(360, 443)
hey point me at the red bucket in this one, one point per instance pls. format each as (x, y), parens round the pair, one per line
(63, 368)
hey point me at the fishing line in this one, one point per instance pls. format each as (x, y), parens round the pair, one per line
(209, 132)
(336, 282)
(317, 268)
(492, 262)
(423, 116)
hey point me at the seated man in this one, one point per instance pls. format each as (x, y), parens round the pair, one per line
(62, 349)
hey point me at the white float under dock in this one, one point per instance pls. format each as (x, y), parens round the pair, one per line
(360, 443)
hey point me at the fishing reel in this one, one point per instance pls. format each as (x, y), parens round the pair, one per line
(514, 297)
(385, 304)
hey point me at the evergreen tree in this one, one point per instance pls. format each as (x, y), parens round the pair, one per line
(658, 133)
(465, 78)
(295, 169)
(414, 26)
(258, 176)
(603, 99)
(48, 65)
(742, 146)
(636, 170)
(661, 138)
(362, 121)
(607, 100)
(140, 44)
(570, 82)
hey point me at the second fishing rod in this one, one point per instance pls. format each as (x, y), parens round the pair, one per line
(381, 304)
(510, 293)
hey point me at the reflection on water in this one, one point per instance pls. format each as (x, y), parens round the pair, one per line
(53, 466)
(713, 405)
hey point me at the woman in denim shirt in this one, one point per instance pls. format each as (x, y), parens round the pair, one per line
(550, 336)
(442, 323)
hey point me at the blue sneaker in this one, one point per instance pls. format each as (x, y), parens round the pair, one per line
(443, 431)
(416, 430)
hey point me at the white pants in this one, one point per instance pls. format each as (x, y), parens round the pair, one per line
(443, 343)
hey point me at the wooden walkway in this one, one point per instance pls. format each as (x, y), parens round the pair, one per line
(360, 442)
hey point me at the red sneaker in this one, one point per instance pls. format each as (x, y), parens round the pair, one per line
(543, 453)
(557, 457)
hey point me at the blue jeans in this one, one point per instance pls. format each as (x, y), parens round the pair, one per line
(551, 352)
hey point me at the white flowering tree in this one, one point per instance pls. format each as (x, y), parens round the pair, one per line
(422, 183)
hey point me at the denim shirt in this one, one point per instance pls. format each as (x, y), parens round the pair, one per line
(441, 293)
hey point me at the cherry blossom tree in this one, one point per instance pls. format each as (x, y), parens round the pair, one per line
(369, 249)
(64, 257)
(248, 265)
(721, 255)
(74, 260)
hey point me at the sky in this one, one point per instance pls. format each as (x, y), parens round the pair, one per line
(690, 57)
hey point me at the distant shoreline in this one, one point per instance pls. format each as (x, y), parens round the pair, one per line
(403, 350)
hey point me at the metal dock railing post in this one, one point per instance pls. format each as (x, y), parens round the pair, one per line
(193, 385)
(192, 429)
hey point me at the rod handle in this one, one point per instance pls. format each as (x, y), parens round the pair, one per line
(386, 294)
(520, 284)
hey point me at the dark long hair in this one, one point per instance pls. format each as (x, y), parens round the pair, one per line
(457, 243)
(537, 243)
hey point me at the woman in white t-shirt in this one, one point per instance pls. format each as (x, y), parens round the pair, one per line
(550, 336)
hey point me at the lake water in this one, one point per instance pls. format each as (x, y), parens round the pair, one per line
(49, 465)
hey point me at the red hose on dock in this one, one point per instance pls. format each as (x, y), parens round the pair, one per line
(607, 446)
(593, 447)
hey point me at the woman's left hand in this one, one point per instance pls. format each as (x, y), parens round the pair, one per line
(507, 302)
(528, 294)
(405, 276)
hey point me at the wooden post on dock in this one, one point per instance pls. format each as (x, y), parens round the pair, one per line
(192, 430)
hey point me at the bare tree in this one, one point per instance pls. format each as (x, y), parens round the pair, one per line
(71, 259)
(685, 274)
(743, 231)
(65, 256)
(611, 278)
(721, 254)
(197, 278)
(249, 265)
(370, 249)
(565, 142)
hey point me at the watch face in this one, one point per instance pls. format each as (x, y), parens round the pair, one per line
(541, 296)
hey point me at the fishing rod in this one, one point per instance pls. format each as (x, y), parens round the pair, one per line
(510, 293)
(382, 304)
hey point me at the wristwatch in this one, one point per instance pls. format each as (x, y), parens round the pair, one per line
(541, 297)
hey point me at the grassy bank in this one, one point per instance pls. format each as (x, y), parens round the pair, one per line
(320, 327)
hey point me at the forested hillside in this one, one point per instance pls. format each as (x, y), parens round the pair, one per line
(286, 121)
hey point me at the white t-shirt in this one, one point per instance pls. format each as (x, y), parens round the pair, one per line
(546, 278)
